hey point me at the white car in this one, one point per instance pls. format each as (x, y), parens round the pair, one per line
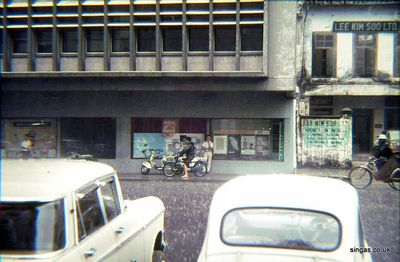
(73, 210)
(284, 218)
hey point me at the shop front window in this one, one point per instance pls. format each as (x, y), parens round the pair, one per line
(164, 135)
(248, 139)
(95, 136)
(37, 137)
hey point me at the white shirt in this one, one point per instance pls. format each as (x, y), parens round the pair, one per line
(208, 146)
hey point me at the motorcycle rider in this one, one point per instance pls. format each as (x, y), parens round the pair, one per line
(188, 150)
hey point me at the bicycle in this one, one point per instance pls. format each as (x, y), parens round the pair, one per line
(175, 166)
(361, 176)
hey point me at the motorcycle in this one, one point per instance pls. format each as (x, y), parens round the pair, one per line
(150, 163)
(175, 166)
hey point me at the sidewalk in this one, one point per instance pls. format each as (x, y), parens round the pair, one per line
(323, 172)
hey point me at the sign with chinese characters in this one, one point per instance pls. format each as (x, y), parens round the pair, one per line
(366, 26)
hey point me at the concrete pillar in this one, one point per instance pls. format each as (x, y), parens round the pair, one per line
(123, 144)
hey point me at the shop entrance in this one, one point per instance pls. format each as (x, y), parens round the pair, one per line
(362, 130)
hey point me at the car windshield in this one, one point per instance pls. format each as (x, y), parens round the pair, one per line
(281, 228)
(32, 227)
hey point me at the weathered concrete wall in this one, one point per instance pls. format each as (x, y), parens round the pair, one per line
(171, 63)
(251, 63)
(146, 63)
(224, 63)
(69, 64)
(198, 63)
(94, 63)
(282, 45)
(19, 64)
(320, 19)
(325, 141)
(374, 103)
(44, 64)
(119, 63)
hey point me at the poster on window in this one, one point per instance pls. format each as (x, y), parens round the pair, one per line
(262, 146)
(248, 146)
(234, 145)
(220, 145)
(145, 142)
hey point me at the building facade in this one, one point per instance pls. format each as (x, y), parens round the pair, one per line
(119, 78)
(351, 59)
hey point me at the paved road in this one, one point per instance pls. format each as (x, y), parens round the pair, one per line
(187, 204)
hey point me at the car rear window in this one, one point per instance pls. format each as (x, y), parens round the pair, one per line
(32, 227)
(281, 228)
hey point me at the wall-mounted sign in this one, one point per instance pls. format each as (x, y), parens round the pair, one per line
(366, 26)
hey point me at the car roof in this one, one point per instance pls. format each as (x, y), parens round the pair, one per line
(287, 191)
(47, 179)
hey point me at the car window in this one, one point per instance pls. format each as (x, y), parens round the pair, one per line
(281, 228)
(90, 215)
(32, 227)
(109, 196)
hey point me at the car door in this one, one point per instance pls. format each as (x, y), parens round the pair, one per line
(125, 225)
(96, 239)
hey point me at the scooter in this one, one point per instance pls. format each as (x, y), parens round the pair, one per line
(175, 166)
(150, 163)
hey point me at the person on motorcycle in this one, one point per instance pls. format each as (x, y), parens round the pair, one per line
(188, 150)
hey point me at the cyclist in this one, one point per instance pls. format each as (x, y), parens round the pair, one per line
(187, 150)
(386, 161)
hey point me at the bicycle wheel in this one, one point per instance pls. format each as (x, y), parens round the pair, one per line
(168, 170)
(394, 181)
(360, 177)
(199, 169)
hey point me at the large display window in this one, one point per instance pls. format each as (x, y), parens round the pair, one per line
(164, 135)
(248, 139)
(41, 134)
(87, 135)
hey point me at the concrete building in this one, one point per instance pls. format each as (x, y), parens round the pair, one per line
(351, 59)
(117, 78)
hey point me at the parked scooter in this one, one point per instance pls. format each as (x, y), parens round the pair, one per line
(150, 163)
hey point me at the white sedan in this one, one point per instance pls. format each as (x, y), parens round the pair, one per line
(73, 210)
(284, 218)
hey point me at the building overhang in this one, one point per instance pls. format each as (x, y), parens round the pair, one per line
(129, 74)
(354, 90)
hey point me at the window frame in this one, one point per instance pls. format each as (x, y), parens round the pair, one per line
(39, 41)
(146, 28)
(340, 227)
(69, 30)
(334, 54)
(258, 27)
(119, 29)
(164, 38)
(355, 50)
(396, 57)
(233, 28)
(16, 39)
(95, 186)
(189, 28)
(89, 31)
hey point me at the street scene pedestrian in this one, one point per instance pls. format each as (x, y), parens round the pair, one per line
(208, 147)
(27, 146)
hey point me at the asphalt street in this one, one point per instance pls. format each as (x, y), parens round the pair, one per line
(187, 203)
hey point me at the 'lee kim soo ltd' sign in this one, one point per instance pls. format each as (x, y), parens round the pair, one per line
(366, 26)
